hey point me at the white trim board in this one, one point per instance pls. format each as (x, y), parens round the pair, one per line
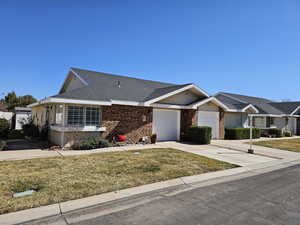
(210, 99)
(176, 92)
(69, 101)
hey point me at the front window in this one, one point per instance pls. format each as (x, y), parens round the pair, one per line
(75, 115)
(92, 116)
(83, 116)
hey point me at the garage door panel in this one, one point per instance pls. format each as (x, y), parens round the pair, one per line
(210, 119)
(166, 124)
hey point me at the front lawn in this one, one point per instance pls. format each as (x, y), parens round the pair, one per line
(64, 178)
(284, 144)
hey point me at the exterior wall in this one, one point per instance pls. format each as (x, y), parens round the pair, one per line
(22, 118)
(39, 116)
(183, 98)
(222, 124)
(67, 139)
(134, 122)
(210, 107)
(235, 120)
(188, 118)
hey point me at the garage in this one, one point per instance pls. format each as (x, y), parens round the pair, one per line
(210, 119)
(166, 124)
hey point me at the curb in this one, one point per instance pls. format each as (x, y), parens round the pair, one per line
(196, 181)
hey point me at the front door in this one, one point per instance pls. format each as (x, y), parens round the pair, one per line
(298, 126)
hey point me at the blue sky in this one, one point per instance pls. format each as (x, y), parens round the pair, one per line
(248, 47)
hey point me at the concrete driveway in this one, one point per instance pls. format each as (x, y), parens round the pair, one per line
(243, 145)
(222, 154)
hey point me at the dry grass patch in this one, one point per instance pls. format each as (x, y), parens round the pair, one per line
(284, 144)
(64, 178)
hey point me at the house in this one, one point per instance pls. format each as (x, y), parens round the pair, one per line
(22, 116)
(267, 113)
(92, 103)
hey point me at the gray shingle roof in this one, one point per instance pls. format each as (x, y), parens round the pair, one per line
(286, 107)
(265, 106)
(104, 87)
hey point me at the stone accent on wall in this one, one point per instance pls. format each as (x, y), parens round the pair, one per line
(222, 124)
(188, 118)
(134, 122)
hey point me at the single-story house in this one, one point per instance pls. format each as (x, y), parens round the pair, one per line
(268, 114)
(22, 116)
(92, 103)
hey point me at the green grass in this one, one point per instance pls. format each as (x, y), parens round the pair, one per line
(64, 178)
(284, 144)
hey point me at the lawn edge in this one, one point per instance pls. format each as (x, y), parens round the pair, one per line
(205, 179)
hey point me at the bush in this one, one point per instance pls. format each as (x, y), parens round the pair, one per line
(31, 130)
(15, 134)
(287, 134)
(2, 145)
(241, 133)
(91, 143)
(275, 132)
(199, 135)
(4, 127)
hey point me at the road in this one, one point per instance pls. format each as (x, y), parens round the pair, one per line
(268, 199)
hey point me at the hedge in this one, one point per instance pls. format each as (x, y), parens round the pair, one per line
(199, 135)
(91, 143)
(241, 133)
(275, 132)
(4, 128)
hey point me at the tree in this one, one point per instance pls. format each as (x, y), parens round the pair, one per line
(26, 100)
(12, 100)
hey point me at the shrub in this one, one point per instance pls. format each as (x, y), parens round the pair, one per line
(2, 145)
(287, 134)
(44, 133)
(4, 127)
(91, 143)
(15, 134)
(31, 130)
(275, 132)
(199, 135)
(241, 133)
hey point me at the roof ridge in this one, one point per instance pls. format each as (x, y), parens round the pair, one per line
(124, 76)
(242, 95)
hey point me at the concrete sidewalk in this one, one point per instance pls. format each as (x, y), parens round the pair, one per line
(190, 182)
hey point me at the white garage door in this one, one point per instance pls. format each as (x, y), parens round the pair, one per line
(166, 124)
(210, 119)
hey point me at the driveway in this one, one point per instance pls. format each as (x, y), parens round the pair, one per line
(267, 199)
(243, 145)
(218, 153)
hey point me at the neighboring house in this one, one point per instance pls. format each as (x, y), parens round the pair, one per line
(268, 114)
(21, 117)
(92, 103)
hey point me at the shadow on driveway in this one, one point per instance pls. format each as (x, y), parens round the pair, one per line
(23, 144)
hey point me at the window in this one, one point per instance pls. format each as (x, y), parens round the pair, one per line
(92, 116)
(75, 115)
(83, 116)
(58, 114)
